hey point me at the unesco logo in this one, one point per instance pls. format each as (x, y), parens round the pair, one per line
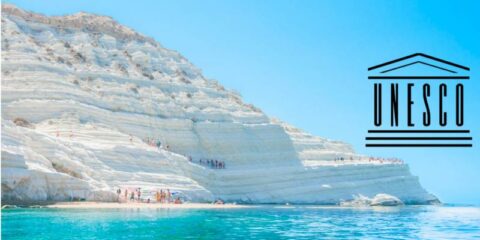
(418, 101)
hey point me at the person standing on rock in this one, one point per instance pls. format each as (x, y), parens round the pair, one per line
(118, 194)
(168, 195)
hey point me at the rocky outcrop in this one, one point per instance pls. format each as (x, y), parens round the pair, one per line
(89, 106)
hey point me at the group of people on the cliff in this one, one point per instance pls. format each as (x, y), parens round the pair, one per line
(212, 163)
(70, 134)
(371, 159)
(345, 159)
(162, 196)
(154, 143)
(387, 160)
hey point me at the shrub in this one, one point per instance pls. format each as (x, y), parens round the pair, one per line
(62, 169)
(122, 69)
(22, 122)
(79, 57)
(127, 54)
(184, 80)
(60, 60)
(134, 89)
(148, 75)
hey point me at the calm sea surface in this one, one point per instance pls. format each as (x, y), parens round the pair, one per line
(265, 222)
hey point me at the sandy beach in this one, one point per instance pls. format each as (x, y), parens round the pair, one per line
(109, 205)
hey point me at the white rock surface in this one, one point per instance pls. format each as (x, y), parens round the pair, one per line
(85, 92)
(382, 199)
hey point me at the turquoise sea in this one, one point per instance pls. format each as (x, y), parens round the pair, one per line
(264, 222)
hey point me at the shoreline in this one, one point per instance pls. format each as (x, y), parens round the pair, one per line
(187, 205)
(130, 205)
(110, 205)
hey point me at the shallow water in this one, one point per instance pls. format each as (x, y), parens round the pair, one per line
(265, 222)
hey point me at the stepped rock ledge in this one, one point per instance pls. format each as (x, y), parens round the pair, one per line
(90, 106)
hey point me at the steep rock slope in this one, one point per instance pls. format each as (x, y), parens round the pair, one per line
(89, 105)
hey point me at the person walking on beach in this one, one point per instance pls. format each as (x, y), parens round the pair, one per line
(132, 196)
(169, 195)
(126, 195)
(138, 194)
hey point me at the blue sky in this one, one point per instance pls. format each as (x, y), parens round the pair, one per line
(306, 62)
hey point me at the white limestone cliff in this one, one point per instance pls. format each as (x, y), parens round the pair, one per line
(82, 96)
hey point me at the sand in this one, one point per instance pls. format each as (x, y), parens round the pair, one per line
(110, 205)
